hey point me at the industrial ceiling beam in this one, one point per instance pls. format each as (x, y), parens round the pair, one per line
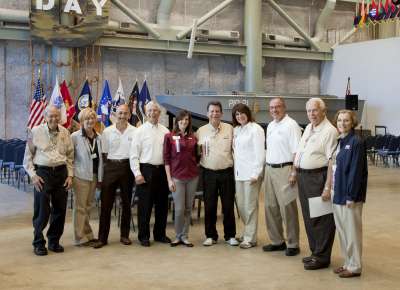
(204, 18)
(128, 12)
(117, 41)
(293, 23)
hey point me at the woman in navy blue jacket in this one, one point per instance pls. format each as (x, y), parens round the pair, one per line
(350, 174)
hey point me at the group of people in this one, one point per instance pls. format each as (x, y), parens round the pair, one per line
(233, 161)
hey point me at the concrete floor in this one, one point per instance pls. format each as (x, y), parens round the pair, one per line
(218, 267)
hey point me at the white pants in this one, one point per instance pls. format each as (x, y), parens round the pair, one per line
(349, 228)
(247, 202)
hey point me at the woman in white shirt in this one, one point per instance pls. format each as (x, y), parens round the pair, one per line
(249, 156)
(88, 172)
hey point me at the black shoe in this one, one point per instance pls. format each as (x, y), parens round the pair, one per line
(315, 264)
(292, 251)
(89, 243)
(273, 248)
(307, 259)
(145, 243)
(164, 240)
(57, 248)
(176, 243)
(98, 244)
(125, 241)
(40, 251)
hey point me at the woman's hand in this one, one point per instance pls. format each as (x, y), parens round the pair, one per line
(171, 185)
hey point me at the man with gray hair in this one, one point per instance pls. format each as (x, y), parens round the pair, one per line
(48, 160)
(315, 149)
(147, 164)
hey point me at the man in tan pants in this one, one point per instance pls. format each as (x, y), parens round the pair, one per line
(283, 136)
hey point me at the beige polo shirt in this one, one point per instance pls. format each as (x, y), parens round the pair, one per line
(316, 146)
(48, 149)
(216, 146)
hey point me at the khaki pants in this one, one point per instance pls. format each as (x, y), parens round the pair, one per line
(247, 202)
(84, 192)
(349, 228)
(281, 207)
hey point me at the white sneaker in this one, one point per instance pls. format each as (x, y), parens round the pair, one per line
(209, 242)
(246, 245)
(232, 242)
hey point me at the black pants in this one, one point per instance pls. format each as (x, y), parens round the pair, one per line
(153, 192)
(320, 230)
(51, 203)
(116, 174)
(222, 183)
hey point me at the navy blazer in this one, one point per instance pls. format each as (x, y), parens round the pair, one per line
(351, 173)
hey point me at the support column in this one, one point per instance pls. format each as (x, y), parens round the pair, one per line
(253, 42)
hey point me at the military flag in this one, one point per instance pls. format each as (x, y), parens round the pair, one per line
(68, 103)
(133, 103)
(84, 100)
(104, 108)
(119, 99)
(38, 105)
(144, 98)
(57, 101)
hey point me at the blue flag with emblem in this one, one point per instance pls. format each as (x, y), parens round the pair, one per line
(144, 98)
(84, 100)
(104, 108)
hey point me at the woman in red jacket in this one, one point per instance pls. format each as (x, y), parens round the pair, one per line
(182, 172)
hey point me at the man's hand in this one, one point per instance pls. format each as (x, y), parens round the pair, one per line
(171, 185)
(326, 195)
(68, 183)
(292, 179)
(350, 204)
(253, 180)
(139, 179)
(37, 182)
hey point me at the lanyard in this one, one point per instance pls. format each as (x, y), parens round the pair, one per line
(93, 145)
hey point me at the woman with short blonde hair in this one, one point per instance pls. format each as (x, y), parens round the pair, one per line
(88, 172)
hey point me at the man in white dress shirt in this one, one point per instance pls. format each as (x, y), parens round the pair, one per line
(147, 164)
(116, 141)
(283, 137)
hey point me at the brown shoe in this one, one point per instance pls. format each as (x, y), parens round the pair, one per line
(348, 274)
(339, 270)
(125, 241)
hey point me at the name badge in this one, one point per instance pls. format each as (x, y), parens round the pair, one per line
(94, 156)
(347, 147)
(177, 145)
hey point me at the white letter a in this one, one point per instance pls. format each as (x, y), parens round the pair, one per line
(73, 5)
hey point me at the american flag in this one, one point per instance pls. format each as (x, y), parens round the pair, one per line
(37, 107)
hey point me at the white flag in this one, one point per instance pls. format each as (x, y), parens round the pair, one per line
(57, 101)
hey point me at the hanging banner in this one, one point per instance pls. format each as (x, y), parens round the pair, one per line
(68, 23)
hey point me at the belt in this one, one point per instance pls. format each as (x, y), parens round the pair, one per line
(117, 160)
(148, 165)
(280, 165)
(229, 169)
(316, 170)
(50, 168)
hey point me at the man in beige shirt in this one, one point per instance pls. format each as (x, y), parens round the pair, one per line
(48, 160)
(216, 161)
(315, 149)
